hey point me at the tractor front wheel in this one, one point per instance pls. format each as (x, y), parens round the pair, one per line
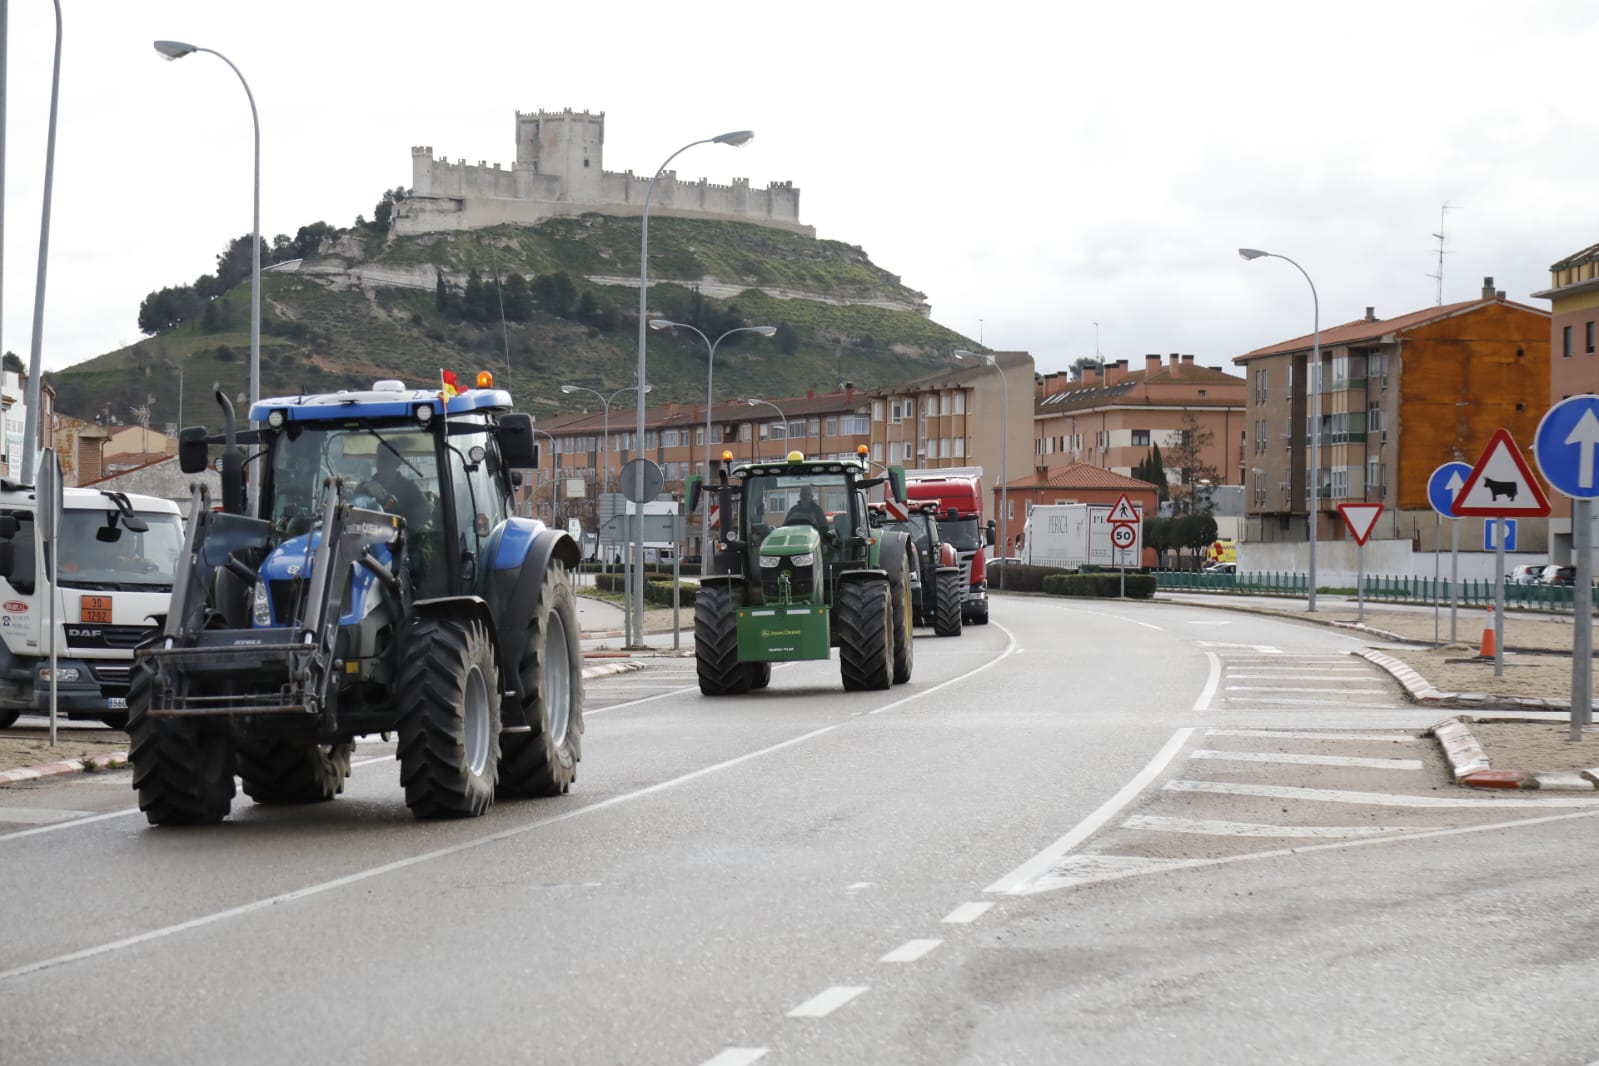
(282, 772)
(948, 591)
(450, 719)
(182, 770)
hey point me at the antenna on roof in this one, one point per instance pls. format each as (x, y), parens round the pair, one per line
(1443, 215)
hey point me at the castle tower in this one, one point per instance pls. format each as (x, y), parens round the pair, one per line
(567, 145)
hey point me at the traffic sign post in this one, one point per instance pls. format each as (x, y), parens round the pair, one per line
(1501, 485)
(1443, 488)
(1124, 522)
(1360, 518)
(1564, 445)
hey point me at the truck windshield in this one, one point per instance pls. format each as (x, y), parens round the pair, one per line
(962, 533)
(97, 551)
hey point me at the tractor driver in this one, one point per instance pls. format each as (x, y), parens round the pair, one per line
(396, 493)
(806, 510)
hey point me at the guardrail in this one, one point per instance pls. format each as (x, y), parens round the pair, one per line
(1381, 588)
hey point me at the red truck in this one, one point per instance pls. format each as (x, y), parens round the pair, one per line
(960, 522)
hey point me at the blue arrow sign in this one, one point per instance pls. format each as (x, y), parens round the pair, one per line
(1444, 485)
(1565, 447)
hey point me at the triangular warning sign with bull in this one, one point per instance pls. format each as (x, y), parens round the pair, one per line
(1501, 485)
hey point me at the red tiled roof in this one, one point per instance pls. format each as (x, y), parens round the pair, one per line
(1082, 476)
(1362, 329)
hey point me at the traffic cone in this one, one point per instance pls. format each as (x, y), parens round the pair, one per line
(1487, 651)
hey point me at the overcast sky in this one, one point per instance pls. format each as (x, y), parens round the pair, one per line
(1033, 170)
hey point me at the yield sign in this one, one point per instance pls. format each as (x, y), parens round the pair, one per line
(1360, 518)
(1501, 485)
(1123, 513)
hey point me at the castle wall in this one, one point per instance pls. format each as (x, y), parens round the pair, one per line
(559, 171)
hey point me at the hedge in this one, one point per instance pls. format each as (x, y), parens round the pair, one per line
(1139, 586)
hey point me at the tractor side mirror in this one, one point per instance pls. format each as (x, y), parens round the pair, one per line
(692, 487)
(896, 482)
(517, 448)
(193, 457)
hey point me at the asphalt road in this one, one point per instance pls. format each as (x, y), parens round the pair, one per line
(1087, 832)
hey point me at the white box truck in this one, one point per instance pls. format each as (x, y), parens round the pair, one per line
(1074, 535)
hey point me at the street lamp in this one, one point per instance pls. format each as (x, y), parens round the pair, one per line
(1004, 452)
(177, 50)
(605, 402)
(30, 417)
(1315, 404)
(635, 575)
(780, 414)
(710, 368)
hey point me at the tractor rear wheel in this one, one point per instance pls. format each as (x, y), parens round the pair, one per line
(449, 719)
(282, 771)
(948, 590)
(543, 762)
(865, 635)
(716, 644)
(182, 770)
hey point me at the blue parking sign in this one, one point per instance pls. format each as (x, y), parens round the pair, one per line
(1491, 533)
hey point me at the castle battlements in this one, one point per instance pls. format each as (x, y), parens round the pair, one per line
(559, 170)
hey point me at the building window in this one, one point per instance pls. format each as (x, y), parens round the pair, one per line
(877, 452)
(960, 447)
(1565, 342)
(943, 404)
(815, 426)
(1140, 438)
(960, 403)
(905, 450)
(1588, 337)
(877, 410)
(832, 426)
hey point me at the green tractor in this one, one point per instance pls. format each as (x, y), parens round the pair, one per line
(937, 597)
(797, 569)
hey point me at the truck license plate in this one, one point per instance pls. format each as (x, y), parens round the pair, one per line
(96, 609)
(116, 703)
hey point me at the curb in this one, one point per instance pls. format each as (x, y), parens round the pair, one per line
(1472, 768)
(104, 762)
(1422, 691)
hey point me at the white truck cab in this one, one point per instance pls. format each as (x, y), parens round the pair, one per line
(113, 578)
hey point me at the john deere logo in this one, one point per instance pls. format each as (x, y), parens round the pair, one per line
(779, 633)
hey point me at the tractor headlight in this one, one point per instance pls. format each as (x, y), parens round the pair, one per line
(262, 606)
(807, 559)
(770, 562)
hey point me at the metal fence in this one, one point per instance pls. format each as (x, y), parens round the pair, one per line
(1380, 588)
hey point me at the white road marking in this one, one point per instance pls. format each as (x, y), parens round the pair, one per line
(967, 912)
(1208, 827)
(1376, 799)
(1289, 734)
(1015, 881)
(37, 815)
(1278, 675)
(910, 951)
(359, 876)
(825, 1003)
(858, 886)
(1308, 760)
(66, 825)
(1271, 702)
(1263, 649)
(1341, 688)
(736, 1056)
(1085, 869)
(1208, 693)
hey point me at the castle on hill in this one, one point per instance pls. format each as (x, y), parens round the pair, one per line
(559, 170)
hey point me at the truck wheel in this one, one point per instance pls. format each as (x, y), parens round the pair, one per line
(760, 674)
(543, 762)
(865, 635)
(716, 644)
(182, 770)
(449, 719)
(947, 593)
(898, 563)
(281, 771)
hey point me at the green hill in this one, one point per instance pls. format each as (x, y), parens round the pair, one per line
(372, 307)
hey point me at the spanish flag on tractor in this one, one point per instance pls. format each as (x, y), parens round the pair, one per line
(451, 388)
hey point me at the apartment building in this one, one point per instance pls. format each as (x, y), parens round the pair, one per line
(1396, 398)
(1573, 294)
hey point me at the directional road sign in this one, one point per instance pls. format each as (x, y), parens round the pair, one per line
(1491, 534)
(1445, 485)
(1567, 438)
(1360, 518)
(1501, 485)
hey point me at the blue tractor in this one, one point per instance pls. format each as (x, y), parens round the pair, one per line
(377, 581)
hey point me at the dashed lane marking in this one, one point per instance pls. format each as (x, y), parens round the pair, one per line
(824, 1003)
(967, 912)
(910, 951)
(1308, 760)
(38, 815)
(736, 1056)
(1208, 827)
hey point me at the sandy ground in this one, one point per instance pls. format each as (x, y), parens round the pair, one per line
(1537, 664)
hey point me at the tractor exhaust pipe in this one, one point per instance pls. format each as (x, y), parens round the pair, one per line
(232, 459)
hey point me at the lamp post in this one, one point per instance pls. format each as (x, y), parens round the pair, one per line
(1004, 452)
(1315, 404)
(780, 414)
(177, 50)
(635, 578)
(710, 369)
(605, 440)
(30, 417)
